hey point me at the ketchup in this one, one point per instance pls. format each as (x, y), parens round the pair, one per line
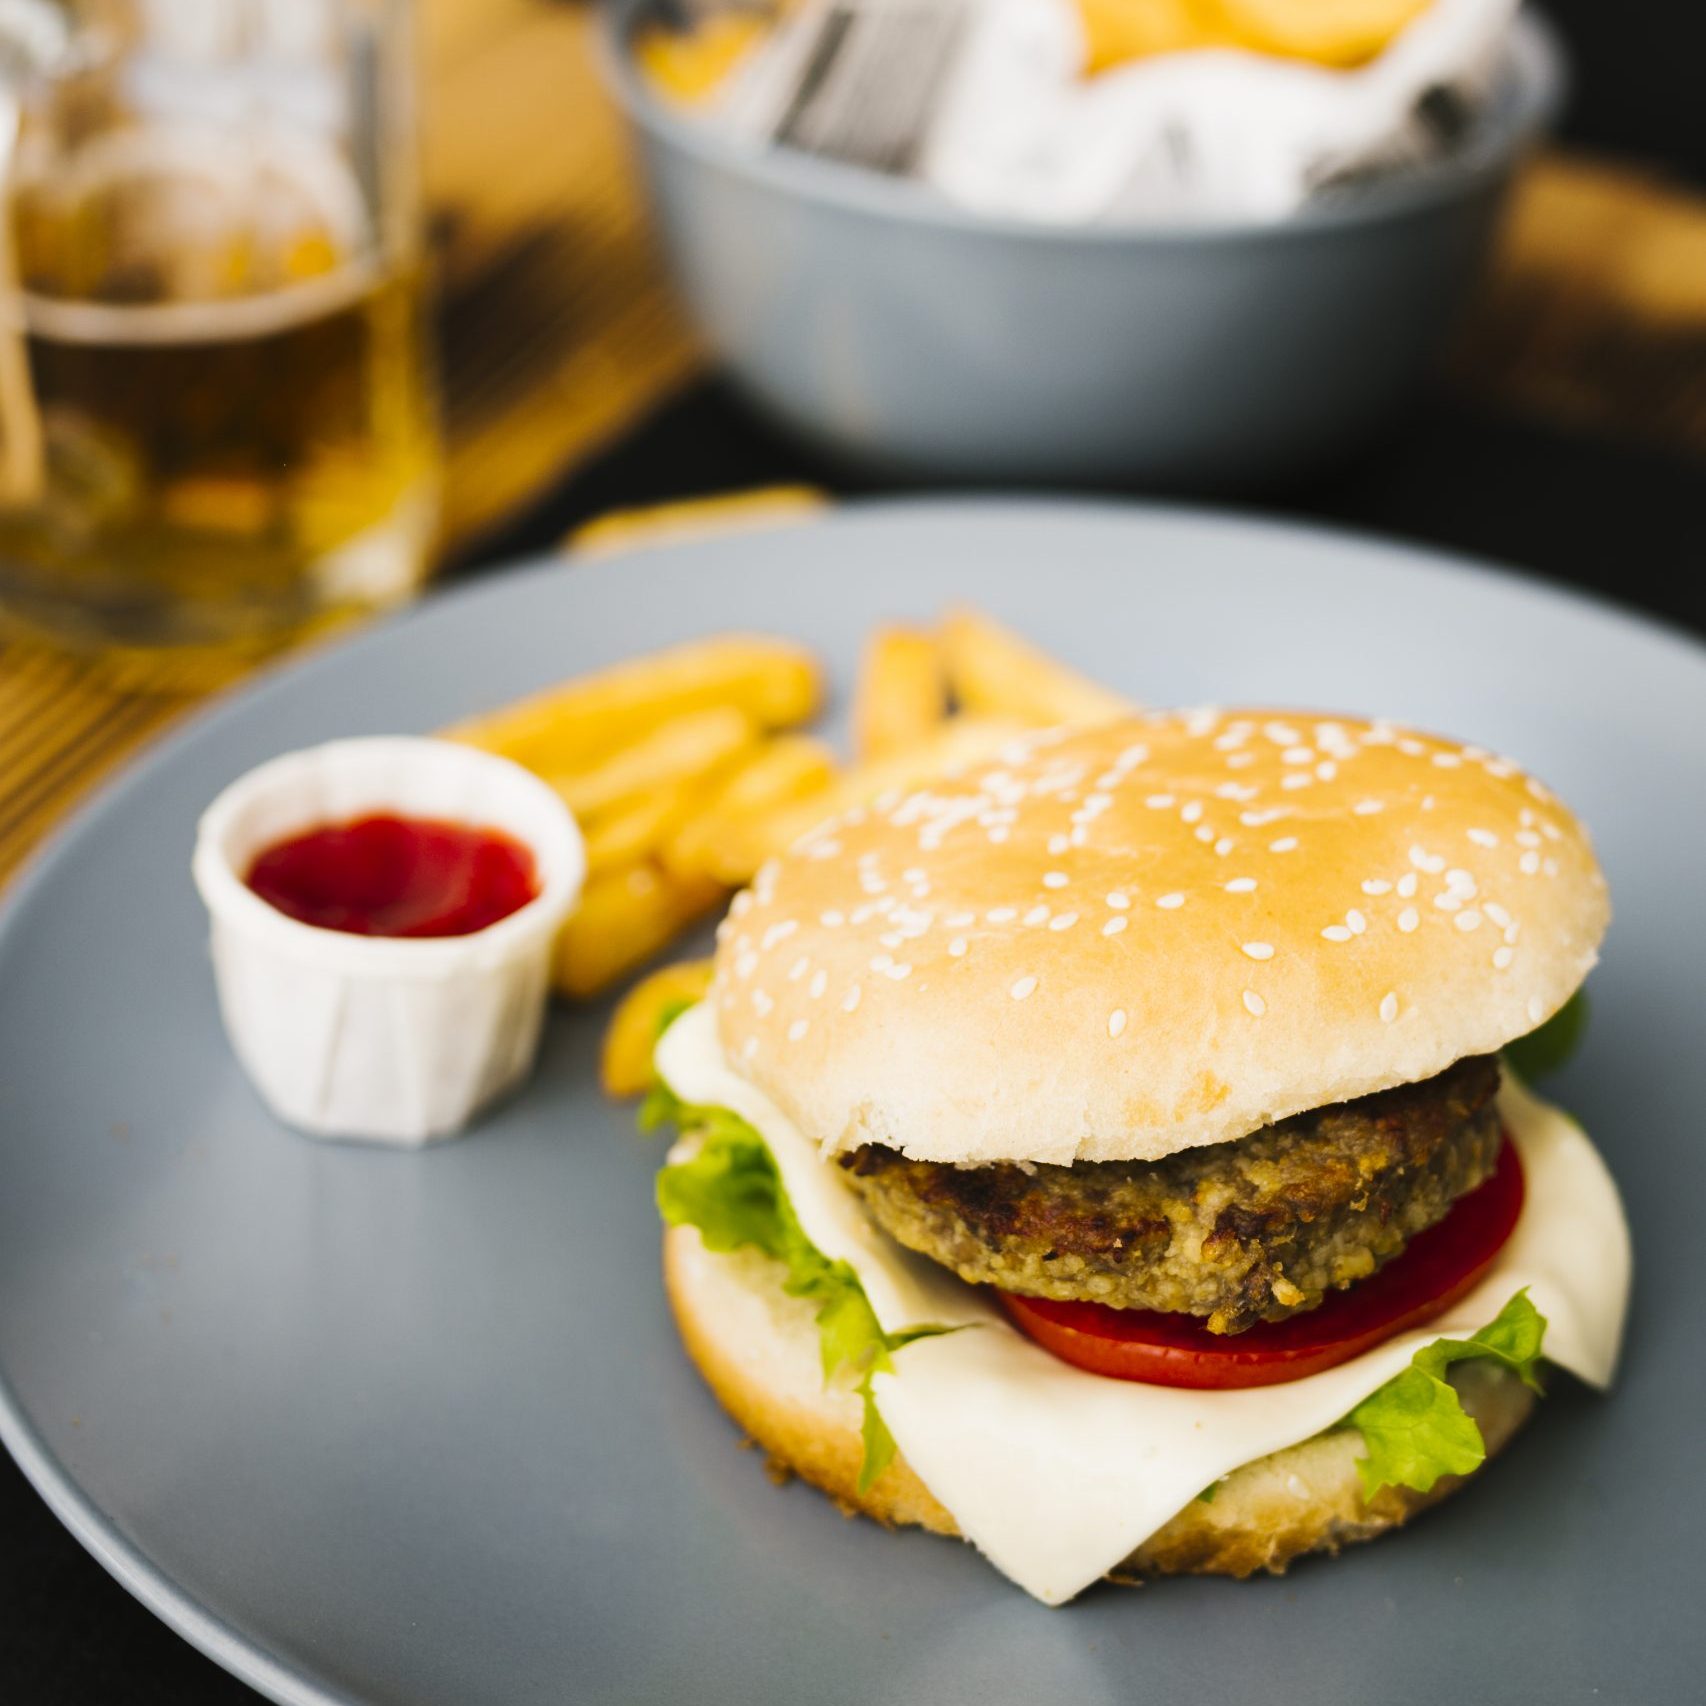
(396, 876)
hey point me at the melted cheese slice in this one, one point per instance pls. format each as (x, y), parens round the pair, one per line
(1057, 1475)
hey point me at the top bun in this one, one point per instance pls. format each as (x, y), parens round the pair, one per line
(1121, 942)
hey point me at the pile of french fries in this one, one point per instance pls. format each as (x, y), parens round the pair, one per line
(687, 769)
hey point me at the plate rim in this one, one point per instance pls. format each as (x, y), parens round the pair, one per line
(281, 1679)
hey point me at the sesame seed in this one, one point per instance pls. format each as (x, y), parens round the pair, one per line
(749, 1049)
(1528, 864)
(798, 1029)
(1296, 780)
(799, 969)
(1326, 770)
(1356, 921)
(818, 984)
(1224, 845)
(850, 1000)
(746, 964)
(1258, 950)
(1115, 925)
(1408, 919)
(1285, 844)
(1298, 755)
(1376, 885)
(1238, 760)
(1022, 988)
(1446, 901)
(1064, 922)
(1119, 901)
(1254, 1005)
(1203, 833)
(1058, 844)
(1502, 957)
(1002, 914)
(1367, 808)
(1468, 919)
(960, 920)
(1037, 915)
(1159, 802)
(1388, 1007)
(832, 920)
(1116, 1021)
(1241, 885)
(1055, 879)
(1483, 837)
(777, 933)
(1496, 912)
(1336, 933)
(761, 1003)
(957, 947)
(1536, 1010)
(1169, 902)
(1190, 811)
(1408, 884)
(898, 972)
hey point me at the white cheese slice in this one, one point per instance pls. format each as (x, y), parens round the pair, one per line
(1057, 1475)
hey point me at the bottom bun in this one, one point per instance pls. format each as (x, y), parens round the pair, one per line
(757, 1349)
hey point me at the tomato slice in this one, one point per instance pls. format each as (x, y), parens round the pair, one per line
(1436, 1268)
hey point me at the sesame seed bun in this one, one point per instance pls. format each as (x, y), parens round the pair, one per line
(1171, 930)
(758, 1351)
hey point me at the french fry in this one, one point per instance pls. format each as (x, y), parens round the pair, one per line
(682, 750)
(1340, 33)
(991, 669)
(775, 682)
(744, 843)
(625, 1066)
(690, 68)
(785, 768)
(901, 694)
(1116, 31)
(624, 917)
(636, 831)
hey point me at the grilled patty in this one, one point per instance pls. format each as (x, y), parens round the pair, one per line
(1238, 1232)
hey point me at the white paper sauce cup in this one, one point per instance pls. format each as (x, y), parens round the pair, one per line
(394, 1039)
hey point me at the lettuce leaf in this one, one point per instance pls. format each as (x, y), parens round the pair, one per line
(1548, 1047)
(1415, 1428)
(731, 1191)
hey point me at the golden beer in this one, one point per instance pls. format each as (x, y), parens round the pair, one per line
(216, 421)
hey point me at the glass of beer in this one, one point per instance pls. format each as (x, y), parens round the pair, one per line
(217, 428)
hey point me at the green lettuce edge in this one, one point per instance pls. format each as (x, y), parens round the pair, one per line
(1415, 1429)
(731, 1192)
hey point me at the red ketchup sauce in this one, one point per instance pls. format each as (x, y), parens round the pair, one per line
(396, 876)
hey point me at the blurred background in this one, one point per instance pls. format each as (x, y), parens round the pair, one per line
(312, 305)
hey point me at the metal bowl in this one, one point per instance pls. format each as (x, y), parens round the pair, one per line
(884, 324)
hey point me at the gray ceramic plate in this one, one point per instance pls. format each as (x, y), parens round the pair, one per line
(391, 1428)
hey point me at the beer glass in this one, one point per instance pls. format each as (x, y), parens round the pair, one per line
(216, 410)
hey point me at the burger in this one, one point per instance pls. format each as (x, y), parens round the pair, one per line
(1110, 1153)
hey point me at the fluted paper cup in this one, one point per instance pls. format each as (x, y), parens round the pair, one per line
(395, 1040)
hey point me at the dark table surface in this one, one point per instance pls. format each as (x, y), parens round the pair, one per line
(1624, 523)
